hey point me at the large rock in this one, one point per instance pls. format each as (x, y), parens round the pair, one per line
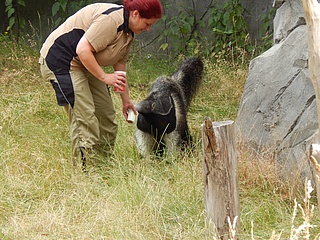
(278, 110)
(289, 16)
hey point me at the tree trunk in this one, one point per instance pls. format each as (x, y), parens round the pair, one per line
(312, 15)
(314, 158)
(221, 176)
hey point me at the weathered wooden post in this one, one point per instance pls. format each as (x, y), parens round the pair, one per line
(312, 16)
(221, 188)
(314, 155)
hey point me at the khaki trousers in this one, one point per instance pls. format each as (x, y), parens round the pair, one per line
(92, 118)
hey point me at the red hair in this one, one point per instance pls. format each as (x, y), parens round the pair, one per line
(146, 8)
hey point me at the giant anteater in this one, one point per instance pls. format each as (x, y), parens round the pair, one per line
(162, 120)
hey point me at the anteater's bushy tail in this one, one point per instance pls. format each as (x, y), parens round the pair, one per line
(189, 77)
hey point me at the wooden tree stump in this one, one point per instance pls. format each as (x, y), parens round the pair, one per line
(312, 16)
(221, 188)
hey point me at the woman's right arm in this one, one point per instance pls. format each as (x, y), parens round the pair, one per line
(85, 53)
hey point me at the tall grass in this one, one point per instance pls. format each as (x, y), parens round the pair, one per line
(42, 196)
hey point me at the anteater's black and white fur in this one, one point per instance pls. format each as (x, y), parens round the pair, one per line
(162, 121)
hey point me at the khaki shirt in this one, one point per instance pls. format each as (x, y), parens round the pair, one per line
(104, 25)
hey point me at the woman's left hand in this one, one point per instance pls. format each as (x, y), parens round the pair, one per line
(126, 107)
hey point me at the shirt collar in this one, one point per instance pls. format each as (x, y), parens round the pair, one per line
(125, 26)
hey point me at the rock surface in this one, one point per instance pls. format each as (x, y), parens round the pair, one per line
(278, 108)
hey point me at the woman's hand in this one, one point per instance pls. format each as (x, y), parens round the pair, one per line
(115, 79)
(125, 109)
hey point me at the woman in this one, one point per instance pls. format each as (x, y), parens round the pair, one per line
(71, 58)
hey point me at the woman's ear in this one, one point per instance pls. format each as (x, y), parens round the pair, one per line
(135, 14)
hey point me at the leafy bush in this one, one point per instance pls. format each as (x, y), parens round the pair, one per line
(220, 32)
(62, 9)
(13, 10)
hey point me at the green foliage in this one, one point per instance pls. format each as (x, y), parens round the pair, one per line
(265, 31)
(13, 15)
(181, 31)
(219, 32)
(229, 28)
(60, 6)
(62, 9)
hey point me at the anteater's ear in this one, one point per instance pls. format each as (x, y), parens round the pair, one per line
(162, 106)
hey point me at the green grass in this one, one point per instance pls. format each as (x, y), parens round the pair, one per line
(42, 196)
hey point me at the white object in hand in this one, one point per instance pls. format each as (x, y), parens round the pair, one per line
(131, 116)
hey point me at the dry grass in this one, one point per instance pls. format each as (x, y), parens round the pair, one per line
(268, 199)
(42, 196)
